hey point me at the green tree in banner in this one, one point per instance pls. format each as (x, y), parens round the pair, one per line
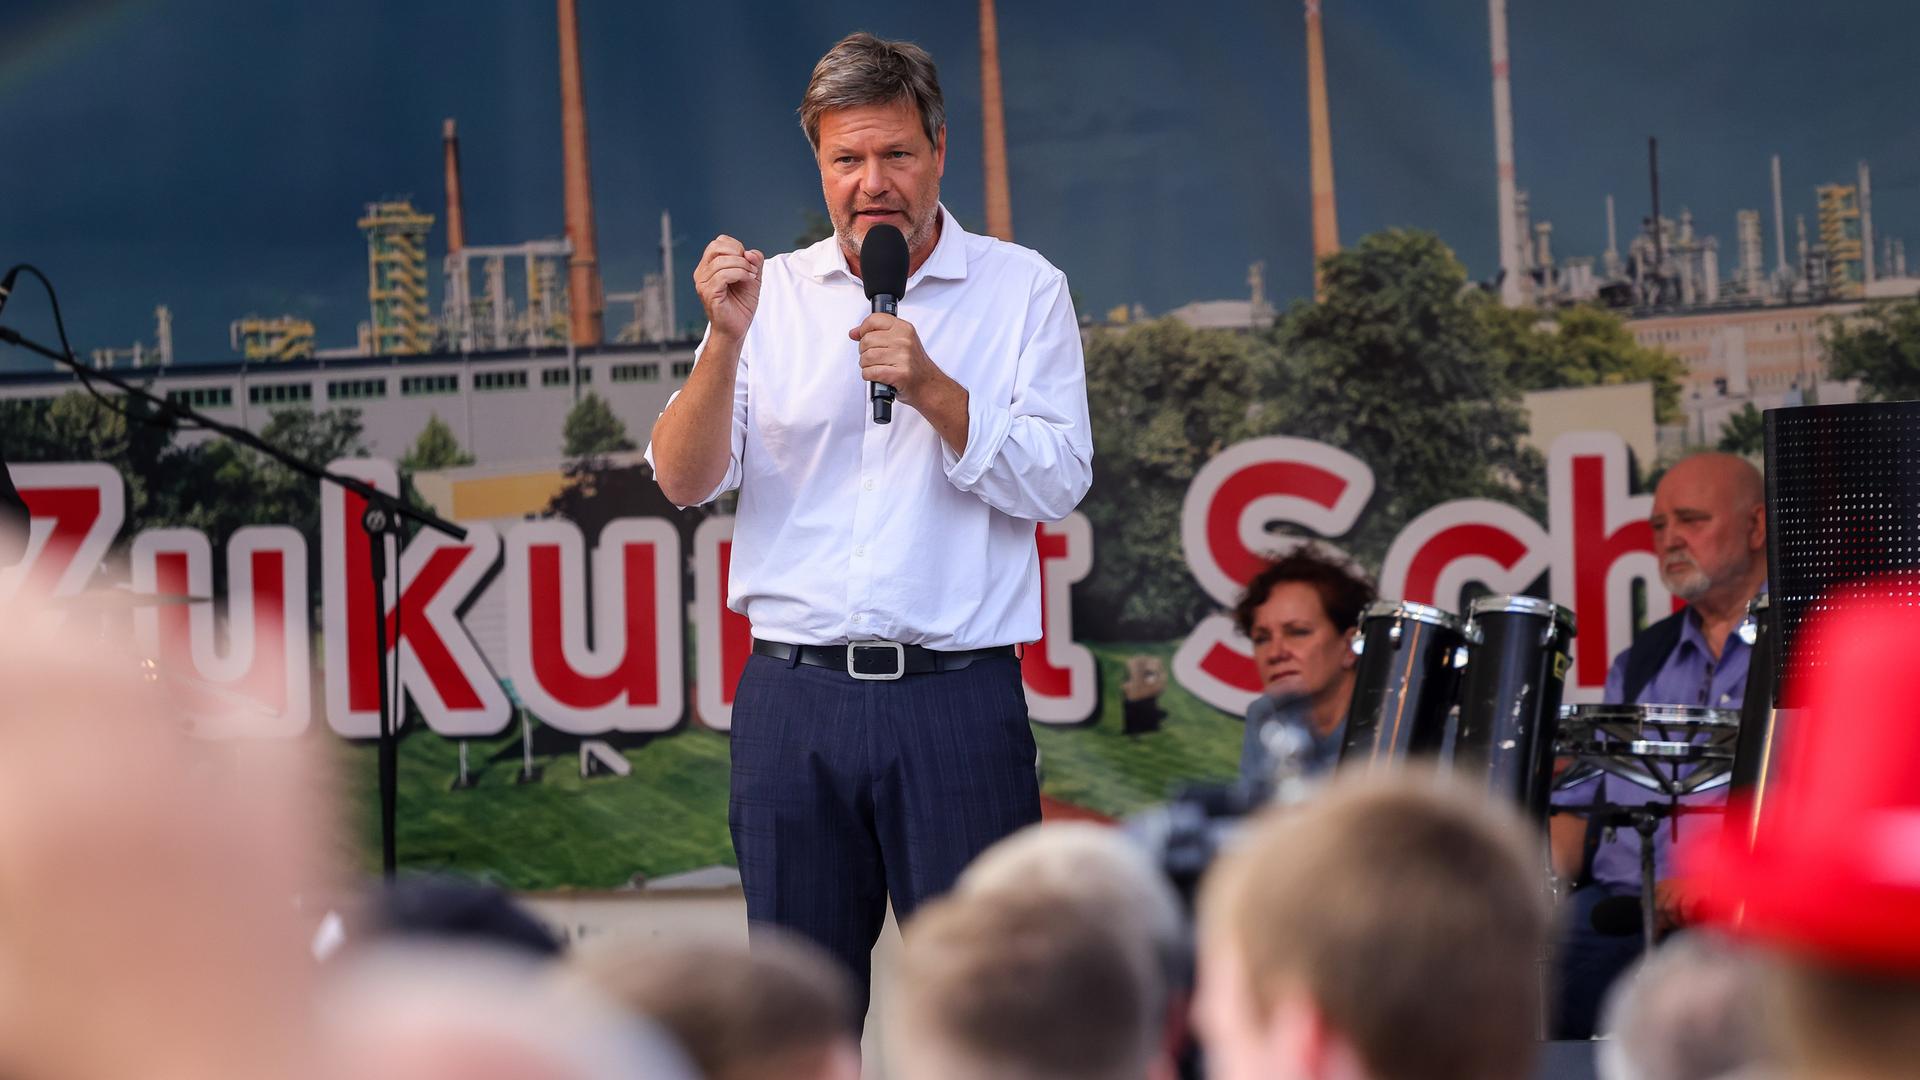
(122, 432)
(1394, 366)
(220, 486)
(436, 448)
(1579, 346)
(1164, 398)
(1745, 433)
(1880, 346)
(592, 430)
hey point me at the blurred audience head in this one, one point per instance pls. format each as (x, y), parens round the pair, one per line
(1835, 1021)
(1023, 986)
(474, 1012)
(427, 908)
(1391, 929)
(149, 882)
(1690, 1010)
(1098, 868)
(780, 1011)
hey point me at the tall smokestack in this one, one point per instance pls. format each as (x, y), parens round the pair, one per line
(1326, 227)
(993, 124)
(1866, 224)
(666, 277)
(1653, 181)
(583, 277)
(456, 221)
(1511, 292)
(458, 298)
(1779, 225)
(1613, 247)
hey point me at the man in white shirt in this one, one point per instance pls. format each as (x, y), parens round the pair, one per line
(880, 734)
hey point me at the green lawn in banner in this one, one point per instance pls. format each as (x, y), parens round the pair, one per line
(670, 815)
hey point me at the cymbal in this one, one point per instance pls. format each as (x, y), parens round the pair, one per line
(121, 599)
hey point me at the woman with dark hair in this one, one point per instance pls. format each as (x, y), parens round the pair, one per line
(1300, 612)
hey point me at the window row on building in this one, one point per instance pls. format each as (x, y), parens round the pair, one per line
(636, 373)
(279, 393)
(356, 389)
(560, 376)
(203, 397)
(214, 397)
(515, 379)
(418, 385)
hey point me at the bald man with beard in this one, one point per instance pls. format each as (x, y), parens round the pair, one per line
(1710, 534)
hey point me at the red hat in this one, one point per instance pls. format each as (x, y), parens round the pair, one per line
(1833, 870)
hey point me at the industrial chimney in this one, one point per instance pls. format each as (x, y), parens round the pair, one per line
(1512, 274)
(456, 315)
(456, 222)
(993, 124)
(1779, 230)
(583, 278)
(1866, 225)
(1326, 228)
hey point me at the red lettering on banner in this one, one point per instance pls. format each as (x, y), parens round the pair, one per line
(636, 677)
(1060, 676)
(1601, 544)
(1224, 527)
(441, 670)
(723, 638)
(76, 511)
(261, 684)
(628, 678)
(1466, 540)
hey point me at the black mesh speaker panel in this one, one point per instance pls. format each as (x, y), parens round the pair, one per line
(1843, 506)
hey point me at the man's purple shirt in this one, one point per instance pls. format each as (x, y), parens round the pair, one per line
(1690, 676)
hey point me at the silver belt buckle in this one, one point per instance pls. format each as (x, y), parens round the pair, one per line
(899, 660)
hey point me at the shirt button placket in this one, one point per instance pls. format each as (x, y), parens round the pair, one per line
(866, 519)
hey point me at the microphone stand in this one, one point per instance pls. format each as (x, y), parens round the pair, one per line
(1645, 819)
(380, 522)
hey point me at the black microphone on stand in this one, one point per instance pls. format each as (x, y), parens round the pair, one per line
(883, 270)
(6, 286)
(1617, 916)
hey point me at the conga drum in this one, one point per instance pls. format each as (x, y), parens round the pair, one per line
(1510, 696)
(1404, 683)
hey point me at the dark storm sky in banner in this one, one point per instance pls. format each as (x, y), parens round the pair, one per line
(213, 156)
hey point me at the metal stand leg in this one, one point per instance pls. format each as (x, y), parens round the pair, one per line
(1646, 825)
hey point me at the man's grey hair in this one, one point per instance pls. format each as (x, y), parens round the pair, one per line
(862, 69)
(1687, 1011)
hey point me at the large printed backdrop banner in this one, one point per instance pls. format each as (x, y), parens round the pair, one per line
(1442, 396)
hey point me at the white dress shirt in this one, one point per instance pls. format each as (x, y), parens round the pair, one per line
(848, 530)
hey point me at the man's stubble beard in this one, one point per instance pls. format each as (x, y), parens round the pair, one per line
(922, 232)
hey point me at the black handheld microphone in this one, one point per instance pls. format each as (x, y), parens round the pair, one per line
(1617, 916)
(883, 270)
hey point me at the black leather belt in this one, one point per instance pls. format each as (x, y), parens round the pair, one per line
(877, 660)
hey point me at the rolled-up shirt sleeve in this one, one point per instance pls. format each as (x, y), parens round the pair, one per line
(738, 436)
(1032, 457)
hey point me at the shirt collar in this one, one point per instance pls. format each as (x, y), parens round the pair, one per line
(823, 259)
(1690, 633)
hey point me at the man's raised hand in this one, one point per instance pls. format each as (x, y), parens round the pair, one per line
(728, 281)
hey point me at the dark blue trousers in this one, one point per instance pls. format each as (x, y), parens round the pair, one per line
(1589, 963)
(847, 792)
